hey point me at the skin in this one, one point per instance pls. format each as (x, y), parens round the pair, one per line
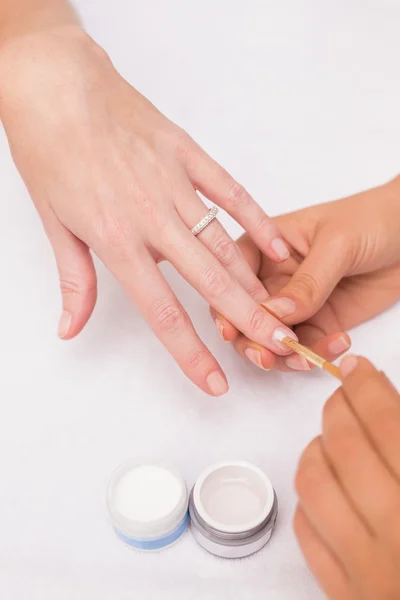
(109, 174)
(344, 270)
(348, 481)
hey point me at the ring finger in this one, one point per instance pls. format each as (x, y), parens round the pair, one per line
(192, 209)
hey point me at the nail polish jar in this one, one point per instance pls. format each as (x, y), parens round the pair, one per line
(233, 508)
(148, 504)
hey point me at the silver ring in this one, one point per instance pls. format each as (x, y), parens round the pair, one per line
(210, 216)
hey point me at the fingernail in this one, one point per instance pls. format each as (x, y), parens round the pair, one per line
(280, 248)
(254, 356)
(64, 324)
(297, 363)
(339, 345)
(279, 334)
(348, 364)
(220, 326)
(217, 383)
(281, 307)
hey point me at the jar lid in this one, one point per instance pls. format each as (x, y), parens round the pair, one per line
(148, 504)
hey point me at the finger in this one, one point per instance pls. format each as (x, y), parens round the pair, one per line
(252, 256)
(313, 282)
(78, 280)
(323, 563)
(370, 486)
(376, 403)
(256, 354)
(218, 186)
(155, 300)
(226, 330)
(205, 273)
(330, 347)
(327, 508)
(214, 237)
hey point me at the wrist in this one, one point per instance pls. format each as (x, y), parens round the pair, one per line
(35, 65)
(20, 18)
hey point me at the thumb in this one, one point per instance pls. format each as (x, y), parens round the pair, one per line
(313, 282)
(78, 280)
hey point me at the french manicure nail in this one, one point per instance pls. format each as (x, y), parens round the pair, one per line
(254, 356)
(281, 307)
(348, 364)
(217, 383)
(280, 248)
(297, 363)
(220, 326)
(339, 345)
(279, 334)
(64, 324)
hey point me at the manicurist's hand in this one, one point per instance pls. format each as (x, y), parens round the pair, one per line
(109, 173)
(344, 269)
(348, 482)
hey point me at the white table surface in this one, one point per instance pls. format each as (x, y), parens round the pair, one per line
(301, 102)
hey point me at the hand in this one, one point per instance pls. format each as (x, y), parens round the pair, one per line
(109, 173)
(345, 269)
(348, 482)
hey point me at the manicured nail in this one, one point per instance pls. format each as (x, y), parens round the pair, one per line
(339, 345)
(281, 307)
(254, 356)
(220, 326)
(297, 363)
(279, 334)
(64, 324)
(217, 383)
(348, 364)
(280, 248)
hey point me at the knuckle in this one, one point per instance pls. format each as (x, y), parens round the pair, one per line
(166, 315)
(144, 203)
(310, 474)
(238, 198)
(264, 223)
(257, 320)
(225, 249)
(75, 285)
(182, 142)
(215, 281)
(307, 287)
(195, 358)
(255, 289)
(112, 232)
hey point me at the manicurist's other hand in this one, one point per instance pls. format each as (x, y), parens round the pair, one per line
(348, 482)
(109, 173)
(344, 270)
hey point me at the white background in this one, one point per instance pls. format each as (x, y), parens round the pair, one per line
(300, 100)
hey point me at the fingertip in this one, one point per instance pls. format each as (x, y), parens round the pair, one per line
(64, 325)
(217, 384)
(348, 365)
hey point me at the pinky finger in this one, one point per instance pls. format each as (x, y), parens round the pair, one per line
(324, 565)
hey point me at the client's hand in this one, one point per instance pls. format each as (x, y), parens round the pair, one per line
(348, 481)
(109, 173)
(345, 269)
